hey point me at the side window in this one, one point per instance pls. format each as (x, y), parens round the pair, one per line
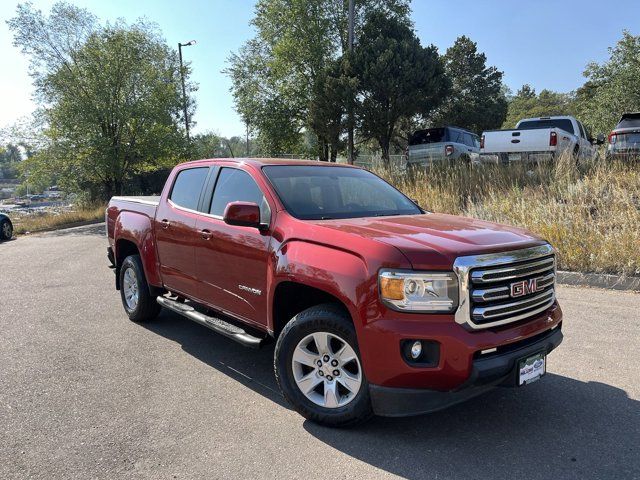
(582, 134)
(455, 136)
(476, 141)
(235, 185)
(468, 140)
(187, 187)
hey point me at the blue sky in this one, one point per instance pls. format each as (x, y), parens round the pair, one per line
(544, 43)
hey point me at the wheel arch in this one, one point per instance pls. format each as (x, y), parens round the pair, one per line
(291, 298)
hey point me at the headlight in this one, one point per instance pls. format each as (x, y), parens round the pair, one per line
(430, 292)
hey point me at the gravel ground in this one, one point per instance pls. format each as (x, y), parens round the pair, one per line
(85, 393)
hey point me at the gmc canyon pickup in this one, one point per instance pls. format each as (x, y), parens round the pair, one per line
(376, 306)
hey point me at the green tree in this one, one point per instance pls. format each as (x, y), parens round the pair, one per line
(397, 78)
(327, 108)
(111, 96)
(612, 87)
(527, 104)
(278, 75)
(477, 101)
(10, 158)
(263, 102)
(210, 145)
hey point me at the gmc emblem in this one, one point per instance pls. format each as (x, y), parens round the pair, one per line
(525, 287)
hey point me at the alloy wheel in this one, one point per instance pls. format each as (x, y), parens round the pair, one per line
(326, 369)
(130, 287)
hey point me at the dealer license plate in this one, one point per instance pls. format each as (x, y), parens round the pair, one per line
(532, 368)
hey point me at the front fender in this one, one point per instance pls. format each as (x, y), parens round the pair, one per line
(340, 273)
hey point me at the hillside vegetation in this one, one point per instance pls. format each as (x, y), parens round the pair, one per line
(590, 213)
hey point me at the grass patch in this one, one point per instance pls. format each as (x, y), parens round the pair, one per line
(43, 221)
(590, 213)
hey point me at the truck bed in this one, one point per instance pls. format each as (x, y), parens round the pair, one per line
(149, 199)
(141, 205)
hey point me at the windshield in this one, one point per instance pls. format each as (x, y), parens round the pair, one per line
(561, 123)
(317, 192)
(432, 135)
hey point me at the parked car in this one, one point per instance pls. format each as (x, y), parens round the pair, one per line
(6, 227)
(539, 139)
(376, 306)
(624, 140)
(436, 145)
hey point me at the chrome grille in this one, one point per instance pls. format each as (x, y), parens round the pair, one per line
(496, 289)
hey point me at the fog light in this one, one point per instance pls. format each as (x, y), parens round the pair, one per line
(416, 349)
(420, 353)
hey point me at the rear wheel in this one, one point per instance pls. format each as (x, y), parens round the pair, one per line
(137, 300)
(6, 229)
(318, 368)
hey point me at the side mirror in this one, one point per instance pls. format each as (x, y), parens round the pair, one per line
(599, 140)
(242, 214)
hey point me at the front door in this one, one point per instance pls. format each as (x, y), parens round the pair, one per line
(175, 231)
(231, 261)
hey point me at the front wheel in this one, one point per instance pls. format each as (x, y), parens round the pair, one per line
(318, 368)
(137, 300)
(6, 229)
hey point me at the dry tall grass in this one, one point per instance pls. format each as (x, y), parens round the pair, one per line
(40, 222)
(590, 213)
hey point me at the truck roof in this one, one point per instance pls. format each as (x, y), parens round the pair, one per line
(259, 162)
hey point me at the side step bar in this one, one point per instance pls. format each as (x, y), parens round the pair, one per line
(216, 324)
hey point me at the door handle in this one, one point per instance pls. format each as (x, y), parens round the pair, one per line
(205, 234)
(165, 223)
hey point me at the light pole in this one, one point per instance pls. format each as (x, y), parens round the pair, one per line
(184, 91)
(350, 106)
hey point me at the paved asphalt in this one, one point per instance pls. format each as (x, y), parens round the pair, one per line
(85, 393)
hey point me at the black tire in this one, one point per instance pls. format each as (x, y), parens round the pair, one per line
(333, 320)
(465, 160)
(576, 155)
(146, 307)
(6, 229)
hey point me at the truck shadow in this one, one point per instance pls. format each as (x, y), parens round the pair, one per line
(251, 368)
(556, 428)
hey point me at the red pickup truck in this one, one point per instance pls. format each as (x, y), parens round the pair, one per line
(376, 306)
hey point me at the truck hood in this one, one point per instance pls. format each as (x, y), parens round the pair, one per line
(434, 241)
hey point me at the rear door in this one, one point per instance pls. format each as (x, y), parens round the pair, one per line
(175, 230)
(472, 148)
(231, 261)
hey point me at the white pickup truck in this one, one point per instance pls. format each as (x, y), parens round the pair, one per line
(538, 139)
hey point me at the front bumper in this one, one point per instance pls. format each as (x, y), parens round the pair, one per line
(490, 371)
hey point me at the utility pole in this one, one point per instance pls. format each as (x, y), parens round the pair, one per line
(350, 106)
(184, 91)
(247, 124)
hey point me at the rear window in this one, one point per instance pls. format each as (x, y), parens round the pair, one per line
(627, 140)
(629, 120)
(432, 135)
(561, 123)
(187, 187)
